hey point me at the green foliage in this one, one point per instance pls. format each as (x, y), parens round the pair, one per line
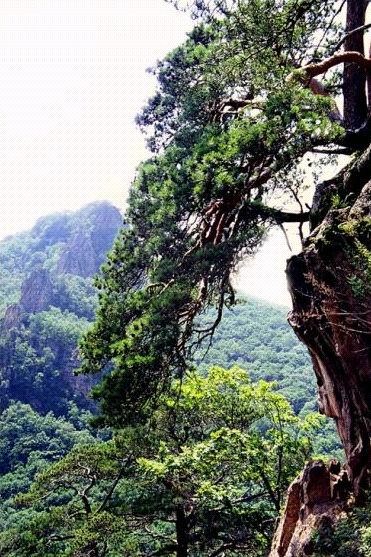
(23, 432)
(38, 352)
(349, 536)
(29, 444)
(354, 236)
(36, 361)
(255, 335)
(229, 127)
(76, 294)
(208, 473)
(357, 285)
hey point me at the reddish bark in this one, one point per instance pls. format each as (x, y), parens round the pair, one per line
(329, 284)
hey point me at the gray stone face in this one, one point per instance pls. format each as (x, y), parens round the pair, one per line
(12, 318)
(37, 292)
(86, 249)
(79, 257)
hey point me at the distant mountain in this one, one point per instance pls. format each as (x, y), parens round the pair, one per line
(47, 299)
(33, 262)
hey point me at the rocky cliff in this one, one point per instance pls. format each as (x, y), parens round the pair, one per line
(317, 499)
(330, 287)
(87, 246)
(47, 301)
(37, 291)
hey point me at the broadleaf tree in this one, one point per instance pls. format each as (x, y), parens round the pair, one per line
(206, 477)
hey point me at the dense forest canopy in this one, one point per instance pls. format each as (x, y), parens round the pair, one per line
(239, 107)
(208, 476)
(46, 411)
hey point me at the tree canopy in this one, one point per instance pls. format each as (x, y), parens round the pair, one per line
(237, 109)
(207, 477)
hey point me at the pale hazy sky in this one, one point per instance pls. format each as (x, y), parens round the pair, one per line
(72, 79)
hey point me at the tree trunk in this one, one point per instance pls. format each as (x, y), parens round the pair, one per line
(91, 550)
(354, 84)
(330, 284)
(181, 532)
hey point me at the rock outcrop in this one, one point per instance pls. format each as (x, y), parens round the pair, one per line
(85, 250)
(12, 317)
(37, 292)
(330, 283)
(317, 498)
(78, 258)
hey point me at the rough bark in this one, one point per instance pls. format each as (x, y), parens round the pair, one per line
(354, 87)
(330, 284)
(181, 532)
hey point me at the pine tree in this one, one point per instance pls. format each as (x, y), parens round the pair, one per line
(239, 107)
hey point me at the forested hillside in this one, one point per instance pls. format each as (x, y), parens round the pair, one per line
(255, 335)
(48, 300)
